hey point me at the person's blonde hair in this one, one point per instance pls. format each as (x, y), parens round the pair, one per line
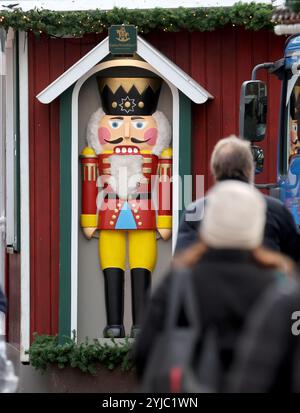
(232, 159)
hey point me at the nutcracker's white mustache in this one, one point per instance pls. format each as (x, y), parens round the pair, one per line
(126, 174)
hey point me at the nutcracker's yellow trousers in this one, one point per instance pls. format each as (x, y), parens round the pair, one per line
(141, 249)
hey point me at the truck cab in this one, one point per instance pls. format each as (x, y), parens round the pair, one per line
(253, 120)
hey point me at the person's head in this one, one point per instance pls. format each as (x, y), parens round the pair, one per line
(234, 216)
(232, 159)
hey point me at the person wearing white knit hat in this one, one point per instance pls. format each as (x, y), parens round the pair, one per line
(229, 269)
(234, 216)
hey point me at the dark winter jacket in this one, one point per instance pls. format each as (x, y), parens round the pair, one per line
(268, 357)
(2, 302)
(227, 283)
(281, 233)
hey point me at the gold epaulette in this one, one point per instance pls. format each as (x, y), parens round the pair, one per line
(164, 221)
(88, 152)
(88, 220)
(166, 154)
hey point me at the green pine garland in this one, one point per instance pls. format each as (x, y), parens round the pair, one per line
(47, 350)
(253, 16)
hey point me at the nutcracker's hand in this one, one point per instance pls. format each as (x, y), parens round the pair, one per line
(165, 233)
(89, 232)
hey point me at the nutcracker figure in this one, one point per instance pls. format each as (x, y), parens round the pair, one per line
(126, 188)
(294, 141)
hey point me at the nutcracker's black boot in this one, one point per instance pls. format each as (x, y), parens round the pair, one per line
(114, 301)
(140, 289)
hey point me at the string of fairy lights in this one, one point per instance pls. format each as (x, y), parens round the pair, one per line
(252, 16)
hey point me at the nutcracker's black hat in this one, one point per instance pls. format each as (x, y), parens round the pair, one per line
(129, 92)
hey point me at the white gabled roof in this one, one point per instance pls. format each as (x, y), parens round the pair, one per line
(165, 67)
(68, 5)
(287, 29)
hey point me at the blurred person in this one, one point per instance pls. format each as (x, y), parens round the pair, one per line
(8, 379)
(268, 355)
(232, 159)
(2, 307)
(2, 302)
(229, 270)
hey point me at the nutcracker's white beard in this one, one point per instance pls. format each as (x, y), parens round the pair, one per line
(126, 174)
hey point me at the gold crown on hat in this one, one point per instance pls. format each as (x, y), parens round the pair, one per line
(141, 83)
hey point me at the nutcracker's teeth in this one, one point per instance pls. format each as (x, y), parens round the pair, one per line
(124, 150)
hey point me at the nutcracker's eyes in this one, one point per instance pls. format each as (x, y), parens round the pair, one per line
(139, 124)
(115, 123)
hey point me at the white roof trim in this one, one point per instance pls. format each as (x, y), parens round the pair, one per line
(161, 64)
(287, 29)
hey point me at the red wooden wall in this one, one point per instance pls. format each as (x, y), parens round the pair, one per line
(220, 61)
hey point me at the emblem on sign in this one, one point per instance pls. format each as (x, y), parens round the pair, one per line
(123, 35)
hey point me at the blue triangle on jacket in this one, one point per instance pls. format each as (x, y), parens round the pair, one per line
(125, 219)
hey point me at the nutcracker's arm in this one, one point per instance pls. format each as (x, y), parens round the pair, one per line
(89, 165)
(164, 213)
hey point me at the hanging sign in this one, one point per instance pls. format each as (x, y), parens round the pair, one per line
(122, 39)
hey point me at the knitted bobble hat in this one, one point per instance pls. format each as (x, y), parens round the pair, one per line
(234, 216)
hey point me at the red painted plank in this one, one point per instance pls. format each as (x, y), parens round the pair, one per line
(72, 52)
(151, 38)
(244, 58)
(199, 124)
(42, 186)
(197, 69)
(214, 108)
(166, 44)
(56, 58)
(230, 89)
(182, 50)
(88, 43)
